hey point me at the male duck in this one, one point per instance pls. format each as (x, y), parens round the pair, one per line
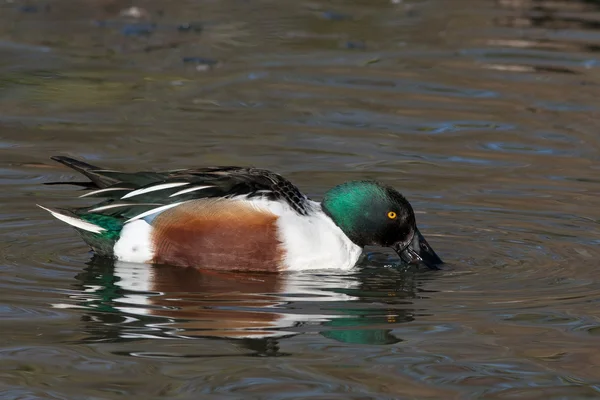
(233, 218)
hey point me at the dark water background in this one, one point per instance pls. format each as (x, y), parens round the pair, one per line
(485, 114)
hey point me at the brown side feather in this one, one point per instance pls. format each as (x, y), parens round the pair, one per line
(218, 234)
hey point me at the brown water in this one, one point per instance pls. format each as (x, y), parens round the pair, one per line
(485, 114)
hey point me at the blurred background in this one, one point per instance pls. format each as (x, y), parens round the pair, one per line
(484, 114)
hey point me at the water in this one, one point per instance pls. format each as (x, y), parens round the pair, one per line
(484, 114)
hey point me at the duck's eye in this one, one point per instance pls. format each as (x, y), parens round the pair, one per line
(392, 215)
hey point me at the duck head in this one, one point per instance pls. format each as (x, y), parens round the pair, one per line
(372, 214)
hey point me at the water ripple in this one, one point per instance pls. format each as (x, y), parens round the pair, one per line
(483, 114)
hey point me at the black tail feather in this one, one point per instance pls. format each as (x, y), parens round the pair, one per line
(90, 171)
(85, 185)
(77, 165)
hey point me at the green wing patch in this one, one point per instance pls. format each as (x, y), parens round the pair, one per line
(104, 242)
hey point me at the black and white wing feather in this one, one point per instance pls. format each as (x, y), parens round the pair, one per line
(131, 194)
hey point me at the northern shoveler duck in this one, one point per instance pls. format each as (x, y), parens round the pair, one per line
(233, 218)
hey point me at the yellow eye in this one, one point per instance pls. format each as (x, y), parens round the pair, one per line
(392, 215)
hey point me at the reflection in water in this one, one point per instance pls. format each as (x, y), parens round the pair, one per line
(136, 301)
(553, 28)
(557, 14)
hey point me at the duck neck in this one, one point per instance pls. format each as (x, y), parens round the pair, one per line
(344, 223)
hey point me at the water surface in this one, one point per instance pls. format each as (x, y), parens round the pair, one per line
(484, 114)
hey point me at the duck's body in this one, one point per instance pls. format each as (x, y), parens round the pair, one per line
(226, 218)
(238, 234)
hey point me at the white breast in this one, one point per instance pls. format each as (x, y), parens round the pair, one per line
(311, 242)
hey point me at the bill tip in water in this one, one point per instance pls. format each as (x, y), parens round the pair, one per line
(420, 252)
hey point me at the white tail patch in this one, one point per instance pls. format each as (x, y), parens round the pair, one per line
(154, 188)
(74, 221)
(95, 192)
(135, 243)
(192, 189)
(155, 211)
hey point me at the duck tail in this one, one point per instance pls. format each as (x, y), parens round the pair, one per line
(100, 232)
(72, 219)
(92, 172)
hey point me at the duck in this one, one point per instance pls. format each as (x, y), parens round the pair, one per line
(231, 218)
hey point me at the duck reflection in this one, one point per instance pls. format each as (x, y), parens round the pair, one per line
(124, 301)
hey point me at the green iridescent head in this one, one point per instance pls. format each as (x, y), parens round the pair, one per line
(372, 214)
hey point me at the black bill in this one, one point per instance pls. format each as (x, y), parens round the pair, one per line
(419, 251)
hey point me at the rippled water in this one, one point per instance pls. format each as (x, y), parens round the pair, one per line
(484, 114)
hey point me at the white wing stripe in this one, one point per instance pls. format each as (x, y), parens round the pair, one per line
(154, 188)
(192, 189)
(154, 211)
(102, 191)
(108, 207)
